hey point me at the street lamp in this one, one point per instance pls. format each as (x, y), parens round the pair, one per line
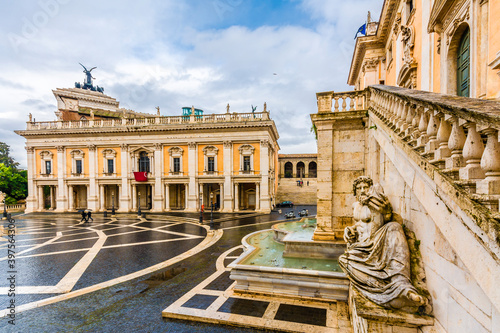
(139, 204)
(211, 210)
(3, 196)
(113, 204)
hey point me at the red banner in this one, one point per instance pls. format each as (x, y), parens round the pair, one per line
(141, 176)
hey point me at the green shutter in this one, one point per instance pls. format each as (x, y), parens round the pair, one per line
(463, 65)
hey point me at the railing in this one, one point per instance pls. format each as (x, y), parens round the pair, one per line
(458, 135)
(246, 172)
(174, 173)
(210, 173)
(148, 121)
(13, 208)
(343, 101)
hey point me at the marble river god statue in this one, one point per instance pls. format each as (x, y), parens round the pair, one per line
(377, 259)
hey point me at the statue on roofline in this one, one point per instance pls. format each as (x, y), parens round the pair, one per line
(377, 259)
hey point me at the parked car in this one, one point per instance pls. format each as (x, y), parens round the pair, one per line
(290, 215)
(303, 212)
(285, 204)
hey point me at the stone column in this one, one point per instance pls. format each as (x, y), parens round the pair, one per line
(32, 194)
(228, 170)
(71, 198)
(134, 198)
(186, 189)
(92, 198)
(200, 195)
(52, 197)
(158, 171)
(192, 167)
(264, 180)
(306, 169)
(167, 197)
(221, 191)
(101, 198)
(61, 165)
(124, 197)
(236, 197)
(40, 199)
(257, 196)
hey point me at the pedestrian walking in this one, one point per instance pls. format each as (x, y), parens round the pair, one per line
(89, 216)
(84, 216)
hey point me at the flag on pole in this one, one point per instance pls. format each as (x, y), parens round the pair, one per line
(362, 29)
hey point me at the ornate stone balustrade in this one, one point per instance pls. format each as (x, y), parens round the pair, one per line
(147, 121)
(343, 101)
(458, 136)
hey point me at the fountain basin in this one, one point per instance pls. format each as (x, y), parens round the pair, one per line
(263, 268)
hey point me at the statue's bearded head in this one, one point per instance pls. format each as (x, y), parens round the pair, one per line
(361, 188)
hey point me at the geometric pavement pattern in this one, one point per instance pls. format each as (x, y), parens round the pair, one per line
(214, 301)
(58, 255)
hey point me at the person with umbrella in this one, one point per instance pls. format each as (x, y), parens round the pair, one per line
(84, 216)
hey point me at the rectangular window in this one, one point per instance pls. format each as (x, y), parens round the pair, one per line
(78, 166)
(111, 166)
(246, 163)
(177, 164)
(211, 164)
(48, 167)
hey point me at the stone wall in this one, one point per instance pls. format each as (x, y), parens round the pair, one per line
(302, 195)
(461, 272)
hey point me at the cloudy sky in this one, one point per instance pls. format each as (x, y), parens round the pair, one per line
(175, 53)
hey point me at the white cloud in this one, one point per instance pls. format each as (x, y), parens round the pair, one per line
(155, 52)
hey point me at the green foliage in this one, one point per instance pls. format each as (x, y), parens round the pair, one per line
(315, 130)
(14, 183)
(288, 174)
(5, 158)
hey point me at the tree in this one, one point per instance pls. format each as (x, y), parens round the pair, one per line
(14, 183)
(5, 158)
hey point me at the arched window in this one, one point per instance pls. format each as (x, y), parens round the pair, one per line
(301, 170)
(313, 170)
(463, 65)
(288, 170)
(143, 162)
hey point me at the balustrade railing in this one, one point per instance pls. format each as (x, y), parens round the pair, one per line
(147, 121)
(342, 101)
(458, 135)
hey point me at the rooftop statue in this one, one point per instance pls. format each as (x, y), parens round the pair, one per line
(377, 259)
(88, 84)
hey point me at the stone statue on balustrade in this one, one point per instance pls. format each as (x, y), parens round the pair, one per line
(377, 259)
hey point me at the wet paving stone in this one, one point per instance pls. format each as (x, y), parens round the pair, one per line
(66, 246)
(42, 270)
(244, 307)
(138, 237)
(221, 283)
(107, 265)
(200, 302)
(301, 314)
(187, 228)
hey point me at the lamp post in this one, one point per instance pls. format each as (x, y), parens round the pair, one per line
(139, 205)
(113, 204)
(3, 196)
(211, 210)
